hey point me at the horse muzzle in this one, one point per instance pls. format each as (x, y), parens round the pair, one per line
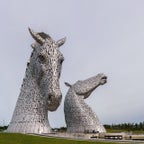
(53, 101)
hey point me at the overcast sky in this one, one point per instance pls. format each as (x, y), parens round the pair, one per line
(103, 36)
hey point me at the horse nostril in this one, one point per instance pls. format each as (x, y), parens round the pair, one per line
(55, 96)
(105, 77)
(49, 97)
(60, 97)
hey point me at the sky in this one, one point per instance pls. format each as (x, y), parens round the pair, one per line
(103, 36)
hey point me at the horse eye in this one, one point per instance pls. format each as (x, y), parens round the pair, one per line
(41, 58)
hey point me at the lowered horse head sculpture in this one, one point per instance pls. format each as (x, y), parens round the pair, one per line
(78, 115)
(85, 87)
(40, 91)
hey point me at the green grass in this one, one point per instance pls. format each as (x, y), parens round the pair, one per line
(9, 138)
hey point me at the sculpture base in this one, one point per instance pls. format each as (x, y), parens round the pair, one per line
(87, 129)
(28, 128)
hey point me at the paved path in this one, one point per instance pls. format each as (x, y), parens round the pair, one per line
(93, 140)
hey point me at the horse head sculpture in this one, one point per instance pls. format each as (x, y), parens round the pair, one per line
(40, 90)
(46, 62)
(86, 87)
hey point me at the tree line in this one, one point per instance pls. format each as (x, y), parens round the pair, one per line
(2, 128)
(126, 126)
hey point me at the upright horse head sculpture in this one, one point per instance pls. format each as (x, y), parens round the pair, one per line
(40, 91)
(46, 63)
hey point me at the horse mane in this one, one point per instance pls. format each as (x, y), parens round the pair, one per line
(44, 35)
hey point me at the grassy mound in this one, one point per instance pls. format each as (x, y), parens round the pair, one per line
(9, 138)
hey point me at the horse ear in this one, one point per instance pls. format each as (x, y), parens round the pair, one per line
(36, 37)
(67, 84)
(61, 41)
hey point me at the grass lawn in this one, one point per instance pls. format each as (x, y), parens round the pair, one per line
(9, 138)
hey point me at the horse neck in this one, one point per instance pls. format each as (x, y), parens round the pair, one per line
(29, 93)
(29, 83)
(72, 97)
